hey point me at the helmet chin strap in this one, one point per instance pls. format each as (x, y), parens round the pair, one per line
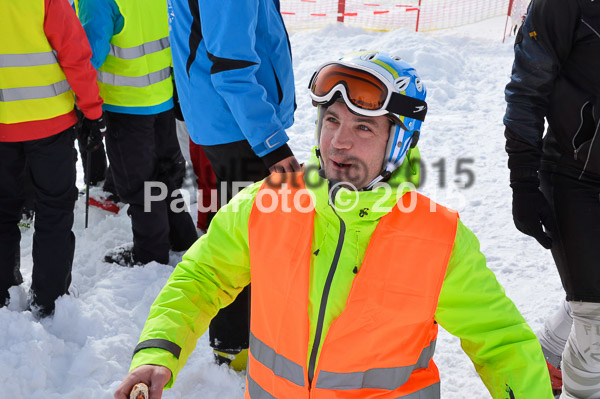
(382, 176)
(389, 167)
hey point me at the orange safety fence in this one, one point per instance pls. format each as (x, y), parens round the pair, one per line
(418, 15)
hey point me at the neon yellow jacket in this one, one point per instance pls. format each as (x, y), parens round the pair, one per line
(472, 304)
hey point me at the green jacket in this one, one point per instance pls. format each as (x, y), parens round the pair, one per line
(472, 304)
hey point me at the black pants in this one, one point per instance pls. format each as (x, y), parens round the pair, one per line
(51, 162)
(28, 189)
(143, 151)
(233, 162)
(576, 243)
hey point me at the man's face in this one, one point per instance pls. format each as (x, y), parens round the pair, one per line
(352, 146)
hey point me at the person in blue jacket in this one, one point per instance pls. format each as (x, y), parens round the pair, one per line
(131, 52)
(233, 72)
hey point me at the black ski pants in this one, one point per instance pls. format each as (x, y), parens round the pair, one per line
(51, 163)
(233, 162)
(576, 241)
(144, 152)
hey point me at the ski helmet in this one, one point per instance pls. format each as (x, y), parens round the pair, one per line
(373, 83)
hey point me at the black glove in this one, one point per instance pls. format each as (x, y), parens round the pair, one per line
(96, 130)
(531, 211)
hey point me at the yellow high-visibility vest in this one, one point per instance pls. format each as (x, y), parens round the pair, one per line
(137, 70)
(33, 86)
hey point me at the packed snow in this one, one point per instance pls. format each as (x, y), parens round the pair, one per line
(84, 350)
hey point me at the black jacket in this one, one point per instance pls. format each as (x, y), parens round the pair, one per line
(556, 75)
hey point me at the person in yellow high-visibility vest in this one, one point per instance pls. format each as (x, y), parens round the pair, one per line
(131, 51)
(44, 62)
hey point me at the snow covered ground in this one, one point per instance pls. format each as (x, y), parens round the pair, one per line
(85, 349)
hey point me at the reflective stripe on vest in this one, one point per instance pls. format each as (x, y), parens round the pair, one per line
(137, 69)
(383, 378)
(256, 391)
(33, 93)
(134, 81)
(280, 366)
(129, 53)
(33, 86)
(357, 360)
(27, 60)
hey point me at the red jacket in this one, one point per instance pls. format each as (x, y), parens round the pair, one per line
(66, 36)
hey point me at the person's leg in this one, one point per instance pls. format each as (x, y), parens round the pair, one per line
(576, 207)
(52, 164)
(581, 357)
(28, 189)
(553, 337)
(133, 162)
(12, 169)
(171, 171)
(109, 187)
(233, 162)
(207, 185)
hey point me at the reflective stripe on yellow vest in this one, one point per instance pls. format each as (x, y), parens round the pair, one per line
(382, 344)
(33, 86)
(137, 70)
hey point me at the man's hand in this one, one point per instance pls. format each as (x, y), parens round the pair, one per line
(532, 213)
(95, 130)
(156, 377)
(289, 164)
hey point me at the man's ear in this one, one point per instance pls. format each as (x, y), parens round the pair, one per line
(415, 139)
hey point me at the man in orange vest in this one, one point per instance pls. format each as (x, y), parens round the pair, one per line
(351, 269)
(44, 62)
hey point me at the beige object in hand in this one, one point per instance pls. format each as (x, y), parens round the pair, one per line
(139, 391)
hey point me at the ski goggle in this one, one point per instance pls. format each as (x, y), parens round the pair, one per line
(364, 91)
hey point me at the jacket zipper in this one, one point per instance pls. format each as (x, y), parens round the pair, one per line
(320, 319)
(575, 149)
(590, 150)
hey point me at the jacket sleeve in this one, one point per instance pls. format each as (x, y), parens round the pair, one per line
(231, 48)
(499, 342)
(541, 47)
(67, 38)
(101, 20)
(210, 276)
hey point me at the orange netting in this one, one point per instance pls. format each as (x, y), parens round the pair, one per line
(420, 15)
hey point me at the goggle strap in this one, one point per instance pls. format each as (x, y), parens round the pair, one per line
(407, 106)
(312, 79)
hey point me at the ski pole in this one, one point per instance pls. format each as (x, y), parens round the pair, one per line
(139, 391)
(88, 165)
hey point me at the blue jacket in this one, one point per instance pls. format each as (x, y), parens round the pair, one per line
(101, 20)
(233, 71)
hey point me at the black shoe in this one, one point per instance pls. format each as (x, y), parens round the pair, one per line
(121, 255)
(39, 310)
(4, 300)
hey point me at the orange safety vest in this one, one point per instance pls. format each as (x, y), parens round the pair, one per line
(382, 344)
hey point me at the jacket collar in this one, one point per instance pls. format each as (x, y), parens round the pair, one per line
(356, 207)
